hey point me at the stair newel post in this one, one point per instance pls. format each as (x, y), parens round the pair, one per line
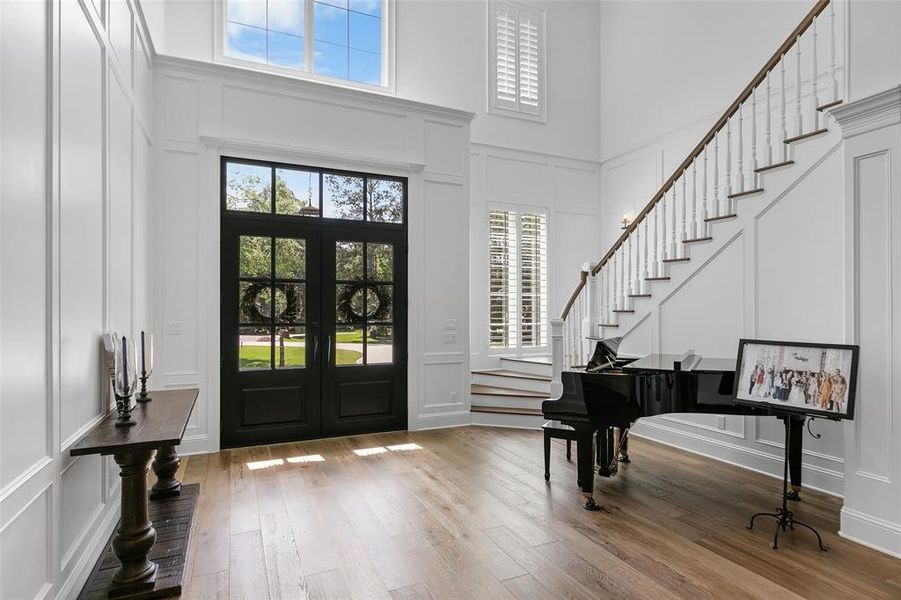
(704, 215)
(597, 303)
(798, 117)
(693, 223)
(782, 103)
(741, 148)
(558, 358)
(814, 75)
(769, 137)
(832, 51)
(754, 139)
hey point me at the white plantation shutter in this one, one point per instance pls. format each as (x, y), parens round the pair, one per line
(517, 280)
(505, 57)
(502, 280)
(528, 63)
(516, 59)
(533, 280)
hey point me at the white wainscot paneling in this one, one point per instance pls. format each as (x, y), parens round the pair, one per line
(120, 210)
(518, 180)
(446, 263)
(121, 35)
(81, 221)
(25, 550)
(712, 321)
(799, 257)
(81, 501)
(874, 419)
(23, 233)
(180, 102)
(444, 148)
(142, 238)
(178, 288)
(143, 80)
(446, 377)
(250, 114)
(576, 188)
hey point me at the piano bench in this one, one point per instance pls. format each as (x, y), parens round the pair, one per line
(556, 429)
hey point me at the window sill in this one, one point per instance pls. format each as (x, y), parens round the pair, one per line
(515, 114)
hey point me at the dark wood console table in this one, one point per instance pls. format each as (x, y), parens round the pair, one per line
(160, 426)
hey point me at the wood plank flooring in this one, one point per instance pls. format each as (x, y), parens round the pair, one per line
(469, 515)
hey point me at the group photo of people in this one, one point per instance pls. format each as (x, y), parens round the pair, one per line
(813, 378)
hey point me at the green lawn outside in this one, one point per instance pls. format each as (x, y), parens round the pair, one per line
(257, 357)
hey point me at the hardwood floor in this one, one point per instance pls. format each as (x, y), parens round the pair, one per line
(469, 515)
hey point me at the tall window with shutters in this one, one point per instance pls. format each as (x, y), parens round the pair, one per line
(517, 286)
(516, 61)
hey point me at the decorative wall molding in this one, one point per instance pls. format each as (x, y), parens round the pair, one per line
(869, 114)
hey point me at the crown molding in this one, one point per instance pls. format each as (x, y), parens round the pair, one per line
(870, 113)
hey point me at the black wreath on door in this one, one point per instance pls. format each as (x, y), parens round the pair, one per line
(349, 303)
(288, 310)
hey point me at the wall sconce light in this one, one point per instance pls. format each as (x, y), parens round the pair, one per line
(627, 220)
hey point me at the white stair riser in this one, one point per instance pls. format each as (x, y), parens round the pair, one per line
(505, 420)
(516, 383)
(507, 401)
(527, 367)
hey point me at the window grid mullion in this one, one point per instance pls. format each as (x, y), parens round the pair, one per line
(308, 39)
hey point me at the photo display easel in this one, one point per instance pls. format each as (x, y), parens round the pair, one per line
(795, 380)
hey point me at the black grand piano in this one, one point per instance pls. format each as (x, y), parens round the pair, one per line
(603, 399)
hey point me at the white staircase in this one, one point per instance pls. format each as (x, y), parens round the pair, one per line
(511, 395)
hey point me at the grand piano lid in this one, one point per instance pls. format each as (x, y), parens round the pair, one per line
(605, 352)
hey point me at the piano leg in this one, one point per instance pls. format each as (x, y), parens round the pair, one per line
(795, 456)
(605, 452)
(624, 446)
(585, 464)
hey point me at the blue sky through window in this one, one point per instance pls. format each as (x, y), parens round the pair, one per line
(347, 36)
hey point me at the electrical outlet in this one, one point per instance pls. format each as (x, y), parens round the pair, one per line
(175, 327)
(454, 398)
(720, 422)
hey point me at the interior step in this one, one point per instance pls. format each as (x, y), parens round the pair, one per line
(512, 379)
(533, 365)
(506, 398)
(482, 415)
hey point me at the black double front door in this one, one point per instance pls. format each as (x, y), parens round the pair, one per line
(314, 329)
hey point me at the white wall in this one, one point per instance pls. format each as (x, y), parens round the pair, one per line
(205, 111)
(668, 64)
(872, 213)
(73, 263)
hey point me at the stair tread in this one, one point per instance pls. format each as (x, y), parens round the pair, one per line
(511, 373)
(745, 193)
(538, 359)
(720, 218)
(639, 295)
(493, 390)
(700, 239)
(675, 260)
(804, 136)
(537, 412)
(829, 105)
(623, 310)
(658, 278)
(777, 165)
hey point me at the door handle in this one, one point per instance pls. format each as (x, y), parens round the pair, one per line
(315, 348)
(328, 349)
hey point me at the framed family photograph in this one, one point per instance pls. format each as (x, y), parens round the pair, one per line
(815, 379)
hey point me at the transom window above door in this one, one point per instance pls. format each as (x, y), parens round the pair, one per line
(344, 40)
(312, 193)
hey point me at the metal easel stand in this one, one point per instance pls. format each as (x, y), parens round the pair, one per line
(785, 519)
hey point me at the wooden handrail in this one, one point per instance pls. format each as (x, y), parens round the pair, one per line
(792, 38)
(583, 279)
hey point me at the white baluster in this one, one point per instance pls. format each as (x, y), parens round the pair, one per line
(693, 227)
(624, 288)
(674, 246)
(728, 210)
(664, 231)
(702, 230)
(617, 297)
(800, 126)
(655, 243)
(832, 51)
(741, 147)
(814, 95)
(611, 283)
(684, 206)
(647, 261)
(782, 109)
(769, 139)
(754, 139)
(636, 268)
(716, 174)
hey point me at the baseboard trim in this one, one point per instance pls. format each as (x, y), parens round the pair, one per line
(871, 532)
(816, 478)
(440, 420)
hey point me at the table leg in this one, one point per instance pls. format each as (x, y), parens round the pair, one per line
(135, 535)
(165, 466)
